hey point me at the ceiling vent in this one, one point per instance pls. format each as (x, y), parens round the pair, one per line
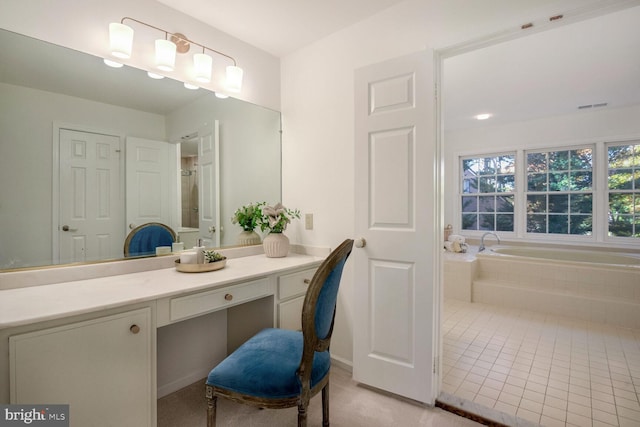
(587, 106)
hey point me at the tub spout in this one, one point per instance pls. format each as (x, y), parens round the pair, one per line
(481, 248)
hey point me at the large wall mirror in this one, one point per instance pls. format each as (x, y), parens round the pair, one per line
(88, 152)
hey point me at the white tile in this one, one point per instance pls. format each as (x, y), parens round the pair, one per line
(604, 417)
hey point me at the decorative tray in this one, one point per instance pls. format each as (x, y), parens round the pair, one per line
(200, 268)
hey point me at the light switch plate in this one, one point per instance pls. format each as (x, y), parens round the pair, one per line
(308, 221)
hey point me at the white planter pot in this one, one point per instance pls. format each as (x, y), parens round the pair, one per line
(248, 238)
(276, 245)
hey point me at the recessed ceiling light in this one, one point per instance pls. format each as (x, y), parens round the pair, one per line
(484, 116)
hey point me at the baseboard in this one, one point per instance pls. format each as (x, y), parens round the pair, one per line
(183, 382)
(347, 365)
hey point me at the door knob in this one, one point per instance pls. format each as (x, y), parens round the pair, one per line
(360, 243)
(67, 228)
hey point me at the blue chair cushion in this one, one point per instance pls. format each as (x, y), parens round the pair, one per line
(265, 366)
(148, 238)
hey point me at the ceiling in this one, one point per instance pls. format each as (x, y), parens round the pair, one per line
(590, 62)
(280, 26)
(548, 73)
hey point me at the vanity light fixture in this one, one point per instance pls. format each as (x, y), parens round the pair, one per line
(191, 86)
(121, 43)
(484, 116)
(155, 75)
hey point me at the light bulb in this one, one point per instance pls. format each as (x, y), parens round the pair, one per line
(120, 40)
(202, 67)
(165, 54)
(234, 78)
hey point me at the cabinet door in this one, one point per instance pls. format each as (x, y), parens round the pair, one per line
(102, 368)
(290, 314)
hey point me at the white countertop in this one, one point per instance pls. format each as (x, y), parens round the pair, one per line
(47, 302)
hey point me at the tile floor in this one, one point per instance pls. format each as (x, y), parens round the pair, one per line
(550, 370)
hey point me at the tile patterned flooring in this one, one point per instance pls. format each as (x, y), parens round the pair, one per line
(550, 370)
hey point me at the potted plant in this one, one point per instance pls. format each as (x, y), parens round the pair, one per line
(275, 219)
(248, 217)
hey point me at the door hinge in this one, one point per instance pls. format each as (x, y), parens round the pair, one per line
(436, 364)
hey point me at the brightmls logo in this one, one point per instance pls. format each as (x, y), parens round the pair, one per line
(34, 415)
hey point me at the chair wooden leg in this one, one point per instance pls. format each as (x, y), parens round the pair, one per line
(325, 405)
(211, 407)
(302, 414)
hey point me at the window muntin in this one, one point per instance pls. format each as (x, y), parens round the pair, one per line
(559, 196)
(623, 188)
(488, 187)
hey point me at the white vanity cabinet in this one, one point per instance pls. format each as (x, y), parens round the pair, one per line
(96, 343)
(291, 292)
(102, 367)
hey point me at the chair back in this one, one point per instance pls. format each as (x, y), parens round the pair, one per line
(144, 239)
(318, 311)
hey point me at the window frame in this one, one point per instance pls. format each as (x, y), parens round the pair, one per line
(607, 191)
(460, 194)
(600, 166)
(548, 192)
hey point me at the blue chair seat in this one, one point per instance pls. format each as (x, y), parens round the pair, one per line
(279, 352)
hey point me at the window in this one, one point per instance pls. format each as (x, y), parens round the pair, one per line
(488, 185)
(559, 193)
(624, 190)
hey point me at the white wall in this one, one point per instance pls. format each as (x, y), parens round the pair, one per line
(318, 115)
(610, 124)
(83, 25)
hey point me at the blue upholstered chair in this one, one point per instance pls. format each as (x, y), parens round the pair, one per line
(278, 368)
(144, 239)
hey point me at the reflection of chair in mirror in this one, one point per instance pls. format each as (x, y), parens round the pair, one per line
(278, 368)
(144, 239)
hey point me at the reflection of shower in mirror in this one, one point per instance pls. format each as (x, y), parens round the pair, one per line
(189, 182)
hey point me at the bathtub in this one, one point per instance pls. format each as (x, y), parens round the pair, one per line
(562, 255)
(602, 287)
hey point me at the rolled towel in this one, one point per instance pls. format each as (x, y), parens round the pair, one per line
(456, 238)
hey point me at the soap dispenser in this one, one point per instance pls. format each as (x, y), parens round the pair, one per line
(199, 248)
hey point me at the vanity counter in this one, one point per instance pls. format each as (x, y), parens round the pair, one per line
(34, 304)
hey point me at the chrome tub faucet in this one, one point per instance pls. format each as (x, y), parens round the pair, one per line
(481, 248)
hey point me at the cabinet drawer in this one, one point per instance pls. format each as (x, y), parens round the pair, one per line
(294, 284)
(204, 302)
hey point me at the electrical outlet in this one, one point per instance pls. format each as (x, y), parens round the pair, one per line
(308, 221)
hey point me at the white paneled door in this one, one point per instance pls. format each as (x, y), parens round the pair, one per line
(90, 203)
(395, 341)
(209, 183)
(148, 194)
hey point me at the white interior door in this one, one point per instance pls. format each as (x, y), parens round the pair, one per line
(209, 184)
(395, 341)
(90, 201)
(148, 191)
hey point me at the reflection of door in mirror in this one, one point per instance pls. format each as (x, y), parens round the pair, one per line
(90, 216)
(199, 187)
(189, 181)
(148, 198)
